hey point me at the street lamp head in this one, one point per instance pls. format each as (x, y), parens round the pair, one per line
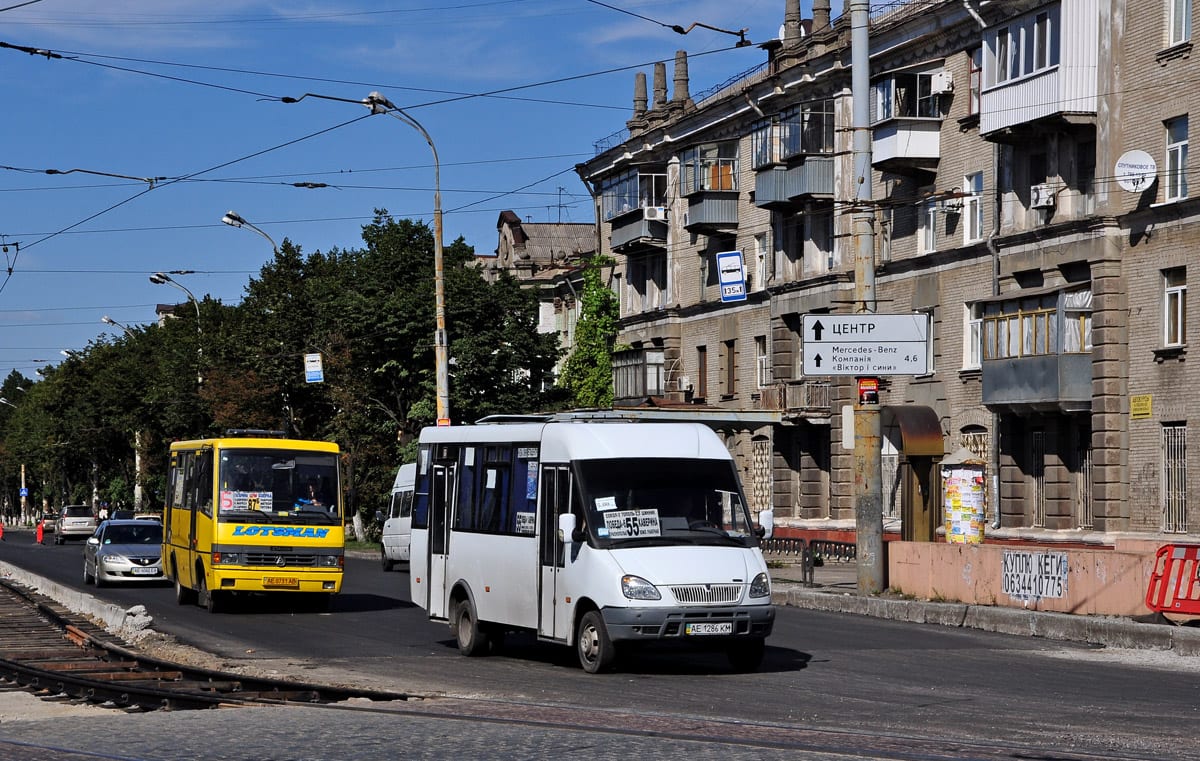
(5, 401)
(233, 219)
(158, 278)
(108, 320)
(377, 103)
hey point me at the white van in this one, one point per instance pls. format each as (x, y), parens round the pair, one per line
(600, 535)
(397, 522)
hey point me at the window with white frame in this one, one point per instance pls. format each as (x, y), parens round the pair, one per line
(973, 208)
(759, 281)
(1024, 47)
(1179, 21)
(762, 362)
(713, 166)
(1175, 306)
(1177, 158)
(929, 214)
(972, 336)
(904, 95)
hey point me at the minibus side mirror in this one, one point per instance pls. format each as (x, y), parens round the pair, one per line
(766, 524)
(566, 527)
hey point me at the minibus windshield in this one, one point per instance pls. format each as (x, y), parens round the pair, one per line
(663, 501)
(277, 485)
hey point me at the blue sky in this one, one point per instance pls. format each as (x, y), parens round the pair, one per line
(188, 90)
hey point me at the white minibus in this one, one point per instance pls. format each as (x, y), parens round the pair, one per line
(397, 522)
(597, 535)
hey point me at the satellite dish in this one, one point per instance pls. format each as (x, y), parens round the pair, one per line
(1136, 171)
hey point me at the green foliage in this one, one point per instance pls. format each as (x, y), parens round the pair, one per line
(587, 375)
(369, 313)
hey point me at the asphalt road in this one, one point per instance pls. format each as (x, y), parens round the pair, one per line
(865, 680)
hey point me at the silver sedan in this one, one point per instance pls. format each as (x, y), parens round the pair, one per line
(123, 551)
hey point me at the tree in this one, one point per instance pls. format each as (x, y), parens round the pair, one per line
(587, 375)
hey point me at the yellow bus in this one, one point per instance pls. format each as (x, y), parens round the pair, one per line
(253, 511)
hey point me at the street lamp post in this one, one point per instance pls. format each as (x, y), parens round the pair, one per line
(233, 219)
(162, 278)
(381, 105)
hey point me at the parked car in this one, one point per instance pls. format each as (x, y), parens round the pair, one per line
(148, 517)
(49, 518)
(122, 515)
(123, 551)
(74, 521)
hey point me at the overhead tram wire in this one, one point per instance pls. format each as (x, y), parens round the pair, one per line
(13, 263)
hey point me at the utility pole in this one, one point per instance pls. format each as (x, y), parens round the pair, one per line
(868, 479)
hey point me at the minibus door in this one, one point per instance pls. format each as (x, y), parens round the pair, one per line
(555, 500)
(441, 491)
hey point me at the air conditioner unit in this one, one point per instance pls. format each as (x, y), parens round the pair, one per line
(685, 383)
(1042, 196)
(941, 83)
(656, 212)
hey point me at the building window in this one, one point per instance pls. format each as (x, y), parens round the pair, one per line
(972, 336)
(1028, 327)
(632, 190)
(1175, 306)
(729, 367)
(1174, 477)
(973, 208)
(1023, 48)
(1179, 22)
(929, 211)
(808, 129)
(762, 362)
(974, 80)
(648, 278)
(760, 263)
(702, 371)
(1177, 154)
(709, 167)
(819, 241)
(638, 373)
(764, 148)
(904, 95)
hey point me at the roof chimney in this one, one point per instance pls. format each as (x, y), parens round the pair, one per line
(680, 96)
(660, 84)
(820, 15)
(639, 95)
(791, 21)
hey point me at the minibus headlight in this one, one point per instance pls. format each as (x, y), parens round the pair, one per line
(330, 561)
(226, 558)
(637, 588)
(761, 586)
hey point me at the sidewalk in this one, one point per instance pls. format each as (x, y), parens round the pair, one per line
(835, 590)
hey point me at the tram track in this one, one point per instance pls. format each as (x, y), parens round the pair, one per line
(56, 654)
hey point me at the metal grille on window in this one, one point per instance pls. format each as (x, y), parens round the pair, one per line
(1174, 480)
(889, 465)
(1083, 480)
(760, 497)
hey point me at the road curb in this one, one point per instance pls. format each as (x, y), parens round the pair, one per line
(1095, 630)
(112, 616)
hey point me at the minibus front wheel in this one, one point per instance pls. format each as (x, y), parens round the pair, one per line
(471, 636)
(596, 650)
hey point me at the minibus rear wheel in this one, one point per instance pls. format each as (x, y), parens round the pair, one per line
(471, 636)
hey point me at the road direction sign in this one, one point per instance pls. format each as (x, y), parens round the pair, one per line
(865, 344)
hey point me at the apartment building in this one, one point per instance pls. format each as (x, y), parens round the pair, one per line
(1029, 194)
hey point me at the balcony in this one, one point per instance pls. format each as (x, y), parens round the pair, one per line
(902, 144)
(797, 399)
(639, 228)
(712, 210)
(777, 187)
(1041, 383)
